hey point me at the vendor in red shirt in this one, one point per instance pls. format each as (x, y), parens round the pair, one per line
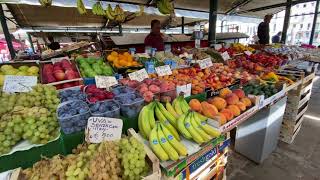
(155, 39)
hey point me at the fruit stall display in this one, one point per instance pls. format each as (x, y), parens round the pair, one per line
(18, 69)
(91, 67)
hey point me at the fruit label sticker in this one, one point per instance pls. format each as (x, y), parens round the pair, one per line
(248, 53)
(19, 83)
(225, 56)
(139, 75)
(103, 129)
(205, 63)
(105, 81)
(186, 89)
(163, 70)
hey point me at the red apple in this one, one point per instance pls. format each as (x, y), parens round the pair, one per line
(65, 64)
(55, 68)
(70, 74)
(48, 68)
(50, 79)
(59, 75)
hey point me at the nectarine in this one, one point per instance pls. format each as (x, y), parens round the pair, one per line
(239, 92)
(218, 102)
(224, 92)
(232, 99)
(235, 110)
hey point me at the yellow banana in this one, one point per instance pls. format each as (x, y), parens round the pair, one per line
(179, 147)
(177, 107)
(151, 118)
(173, 155)
(195, 135)
(171, 110)
(166, 113)
(81, 8)
(207, 128)
(108, 15)
(197, 127)
(184, 105)
(110, 10)
(200, 116)
(145, 124)
(166, 123)
(168, 5)
(182, 129)
(140, 126)
(156, 147)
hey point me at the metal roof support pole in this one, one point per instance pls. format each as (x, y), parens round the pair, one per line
(31, 43)
(286, 21)
(212, 22)
(182, 25)
(6, 32)
(314, 22)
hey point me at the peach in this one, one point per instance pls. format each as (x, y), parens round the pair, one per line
(195, 105)
(227, 113)
(232, 99)
(235, 110)
(208, 110)
(246, 101)
(220, 118)
(241, 106)
(218, 102)
(224, 92)
(239, 92)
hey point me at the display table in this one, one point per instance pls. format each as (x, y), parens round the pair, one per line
(257, 137)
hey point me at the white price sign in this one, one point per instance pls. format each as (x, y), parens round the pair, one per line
(103, 129)
(205, 63)
(105, 81)
(55, 60)
(217, 46)
(163, 70)
(186, 89)
(248, 53)
(139, 75)
(19, 83)
(225, 56)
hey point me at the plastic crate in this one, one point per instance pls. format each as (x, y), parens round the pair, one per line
(122, 90)
(113, 113)
(74, 123)
(130, 110)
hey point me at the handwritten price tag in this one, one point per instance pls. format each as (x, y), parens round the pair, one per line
(163, 70)
(105, 81)
(103, 129)
(205, 63)
(225, 56)
(186, 89)
(19, 83)
(139, 75)
(248, 53)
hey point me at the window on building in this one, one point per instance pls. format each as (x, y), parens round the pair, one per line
(301, 26)
(294, 26)
(312, 4)
(309, 25)
(274, 27)
(304, 5)
(307, 34)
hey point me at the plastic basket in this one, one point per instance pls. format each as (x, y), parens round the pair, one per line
(130, 110)
(74, 123)
(122, 91)
(81, 96)
(113, 113)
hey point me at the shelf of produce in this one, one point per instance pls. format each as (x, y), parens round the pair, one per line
(151, 158)
(28, 155)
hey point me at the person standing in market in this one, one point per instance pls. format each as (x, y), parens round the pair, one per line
(155, 38)
(276, 38)
(263, 30)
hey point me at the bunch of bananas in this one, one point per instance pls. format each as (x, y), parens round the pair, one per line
(117, 14)
(81, 8)
(193, 125)
(45, 3)
(97, 9)
(165, 7)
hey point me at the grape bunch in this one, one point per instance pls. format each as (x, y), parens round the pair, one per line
(133, 159)
(30, 116)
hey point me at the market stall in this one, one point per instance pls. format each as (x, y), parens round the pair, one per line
(124, 114)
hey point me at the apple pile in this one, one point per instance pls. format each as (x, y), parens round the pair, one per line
(59, 71)
(150, 87)
(95, 94)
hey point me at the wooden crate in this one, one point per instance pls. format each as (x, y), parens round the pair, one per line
(288, 137)
(151, 158)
